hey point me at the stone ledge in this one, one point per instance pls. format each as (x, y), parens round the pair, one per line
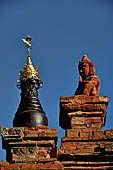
(89, 168)
(46, 166)
(81, 99)
(24, 132)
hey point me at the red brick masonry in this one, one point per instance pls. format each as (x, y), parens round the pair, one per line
(85, 145)
(30, 148)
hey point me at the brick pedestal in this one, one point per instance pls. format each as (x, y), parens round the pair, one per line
(35, 147)
(83, 112)
(37, 144)
(85, 145)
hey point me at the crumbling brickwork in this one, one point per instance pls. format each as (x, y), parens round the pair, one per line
(85, 145)
(30, 148)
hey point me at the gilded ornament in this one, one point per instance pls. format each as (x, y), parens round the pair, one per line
(30, 71)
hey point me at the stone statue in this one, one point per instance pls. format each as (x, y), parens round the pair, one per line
(89, 84)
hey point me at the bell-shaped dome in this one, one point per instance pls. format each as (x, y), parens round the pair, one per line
(30, 112)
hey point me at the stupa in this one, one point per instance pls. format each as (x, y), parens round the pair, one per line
(30, 112)
(30, 144)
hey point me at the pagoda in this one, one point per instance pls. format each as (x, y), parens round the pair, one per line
(30, 144)
(30, 112)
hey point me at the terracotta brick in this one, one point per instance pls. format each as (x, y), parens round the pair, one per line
(83, 111)
(41, 133)
(48, 166)
(34, 145)
(11, 167)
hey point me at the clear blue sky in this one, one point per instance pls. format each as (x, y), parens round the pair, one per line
(62, 31)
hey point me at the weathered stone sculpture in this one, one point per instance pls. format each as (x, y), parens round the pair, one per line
(89, 84)
(85, 145)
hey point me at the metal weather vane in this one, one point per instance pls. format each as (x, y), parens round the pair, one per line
(30, 72)
(27, 41)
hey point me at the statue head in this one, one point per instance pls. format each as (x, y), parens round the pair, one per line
(86, 67)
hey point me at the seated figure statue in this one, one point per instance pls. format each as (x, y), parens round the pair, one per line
(89, 84)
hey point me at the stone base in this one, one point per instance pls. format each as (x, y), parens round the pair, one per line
(18, 166)
(83, 111)
(28, 145)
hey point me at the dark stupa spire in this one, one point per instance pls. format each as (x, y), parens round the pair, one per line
(30, 112)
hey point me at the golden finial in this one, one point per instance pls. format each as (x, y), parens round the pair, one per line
(27, 41)
(29, 70)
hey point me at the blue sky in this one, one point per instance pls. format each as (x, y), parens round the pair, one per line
(62, 31)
